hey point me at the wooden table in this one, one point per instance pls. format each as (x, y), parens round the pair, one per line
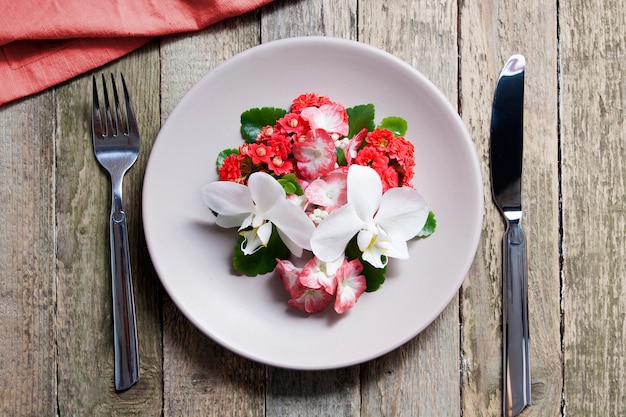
(55, 309)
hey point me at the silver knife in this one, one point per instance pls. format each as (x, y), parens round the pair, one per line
(506, 177)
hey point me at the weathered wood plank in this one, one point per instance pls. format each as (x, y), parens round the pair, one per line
(490, 32)
(85, 348)
(27, 265)
(334, 392)
(421, 377)
(594, 200)
(216, 382)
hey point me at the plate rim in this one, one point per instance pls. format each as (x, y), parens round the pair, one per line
(467, 141)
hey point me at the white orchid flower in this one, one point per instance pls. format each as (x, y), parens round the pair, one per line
(383, 223)
(254, 208)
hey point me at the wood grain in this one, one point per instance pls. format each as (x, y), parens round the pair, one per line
(490, 33)
(216, 381)
(27, 265)
(421, 377)
(334, 392)
(85, 335)
(56, 354)
(594, 197)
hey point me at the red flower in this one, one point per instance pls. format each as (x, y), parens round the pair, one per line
(372, 156)
(231, 169)
(308, 100)
(403, 152)
(401, 149)
(292, 123)
(280, 166)
(389, 177)
(265, 133)
(380, 137)
(260, 153)
(280, 144)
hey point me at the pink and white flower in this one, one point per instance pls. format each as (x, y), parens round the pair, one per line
(330, 191)
(333, 118)
(317, 274)
(315, 154)
(312, 287)
(350, 285)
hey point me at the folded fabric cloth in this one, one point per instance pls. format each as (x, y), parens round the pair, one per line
(43, 43)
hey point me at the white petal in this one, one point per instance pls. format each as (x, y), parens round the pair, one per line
(231, 221)
(227, 198)
(374, 256)
(264, 232)
(364, 239)
(292, 222)
(331, 237)
(291, 245)
(364, 190)
(402, 214)
(398, 250)
(251, 242)
(265, 191)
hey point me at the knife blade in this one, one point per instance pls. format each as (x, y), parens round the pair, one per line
(506, 151)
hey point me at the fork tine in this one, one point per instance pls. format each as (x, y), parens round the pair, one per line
(107, 109)
(130, 113)
(119, 128)
(96, 121)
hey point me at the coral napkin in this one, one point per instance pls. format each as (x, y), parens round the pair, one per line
(43, 43)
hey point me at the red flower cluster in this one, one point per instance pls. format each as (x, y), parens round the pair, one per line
(389, 155)
(305, 142)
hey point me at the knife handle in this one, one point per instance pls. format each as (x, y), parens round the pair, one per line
(516, 355)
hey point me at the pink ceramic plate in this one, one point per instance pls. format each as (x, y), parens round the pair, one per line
(249, 315)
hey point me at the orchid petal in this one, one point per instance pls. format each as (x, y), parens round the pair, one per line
(264, 232)
(293, 247)
(364, 239)
(402, 214)
(231, 221)
(265, 191)
(331, 237)
(364, 190)
(247, 222)
(398, 249)
(292, 222)
(375, 257)
(251, 242)
(228, 198)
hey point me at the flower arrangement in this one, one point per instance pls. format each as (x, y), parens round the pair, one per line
(326, 180)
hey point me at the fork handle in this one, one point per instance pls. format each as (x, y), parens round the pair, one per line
(124, 324)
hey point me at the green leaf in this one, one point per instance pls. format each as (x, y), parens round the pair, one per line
(290, 184)
(395, 124)
(429, 227)
(221, 157)
(262, 261)
(254, 120)
(360, 117)
(374, 277)
(341, 157)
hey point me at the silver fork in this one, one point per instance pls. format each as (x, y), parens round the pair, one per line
(116, 146)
